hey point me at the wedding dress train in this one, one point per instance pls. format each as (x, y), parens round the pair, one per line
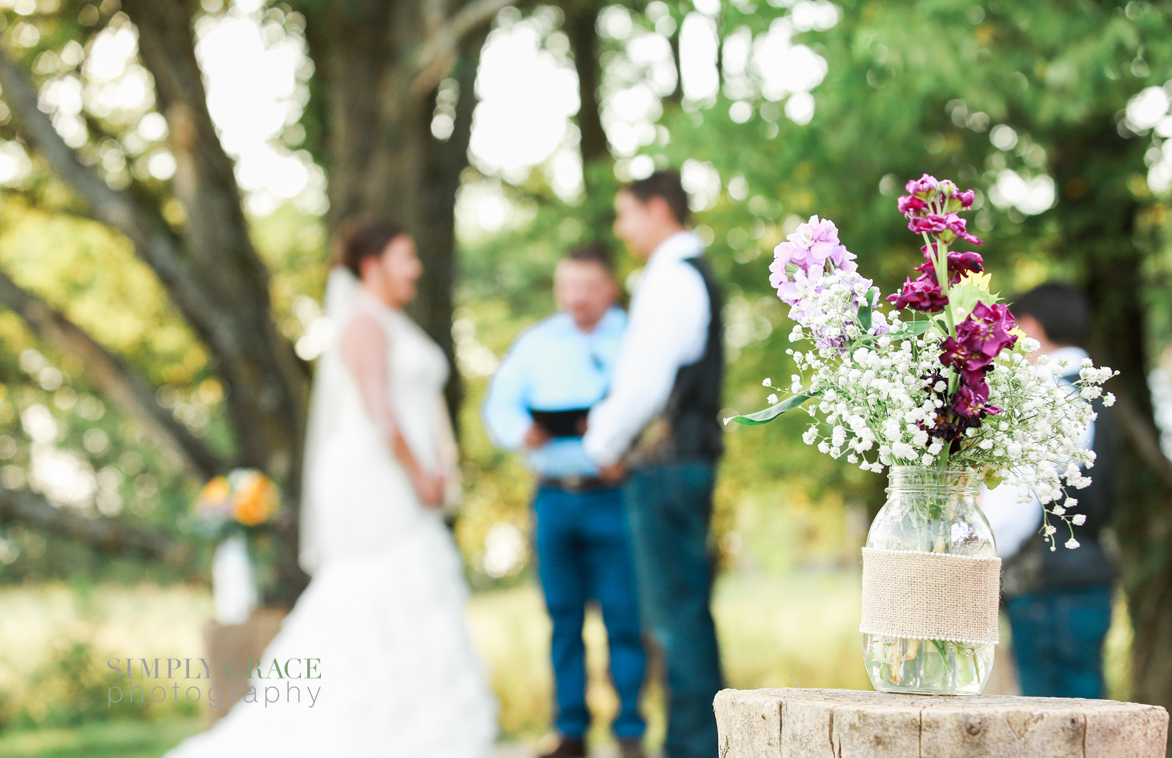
(384, 613)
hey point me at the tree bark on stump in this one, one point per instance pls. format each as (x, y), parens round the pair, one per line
(231, 648)
(801, 723)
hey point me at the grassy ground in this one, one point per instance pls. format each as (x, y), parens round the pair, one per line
(101, 739)
(775, 631)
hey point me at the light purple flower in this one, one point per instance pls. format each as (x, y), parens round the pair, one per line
(813, 250)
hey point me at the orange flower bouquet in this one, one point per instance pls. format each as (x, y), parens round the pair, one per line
(240, 501)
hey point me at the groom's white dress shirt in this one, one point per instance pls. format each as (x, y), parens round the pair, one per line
(1015, 522)
(667, 329)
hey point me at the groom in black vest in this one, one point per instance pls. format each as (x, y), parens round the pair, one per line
(659, 426)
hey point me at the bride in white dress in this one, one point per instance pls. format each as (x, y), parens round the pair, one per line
(385, 610)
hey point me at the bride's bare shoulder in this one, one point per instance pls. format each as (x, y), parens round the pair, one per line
(361, 333)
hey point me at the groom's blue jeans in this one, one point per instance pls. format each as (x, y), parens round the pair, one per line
(1058, 641)
(669, 508)
(584, 552)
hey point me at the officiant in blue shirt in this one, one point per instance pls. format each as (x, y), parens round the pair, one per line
(536, 404)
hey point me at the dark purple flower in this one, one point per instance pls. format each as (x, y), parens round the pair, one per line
(974, 370)
(948, 424)
(923, 294)
(986, 330)
(959, 264)
(969, 401)
(979, 339)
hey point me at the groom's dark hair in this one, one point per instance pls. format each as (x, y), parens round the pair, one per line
(363, 238)
(1060, 309)
(667, 185)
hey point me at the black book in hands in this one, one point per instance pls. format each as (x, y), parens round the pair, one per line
(568, 423)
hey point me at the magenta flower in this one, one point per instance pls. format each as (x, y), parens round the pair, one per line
(909, 204)
(931, 206)
(957, 226)
(923, 188)
(932, 223)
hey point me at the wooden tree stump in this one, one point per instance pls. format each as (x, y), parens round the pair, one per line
(239, 643)
(800, 723)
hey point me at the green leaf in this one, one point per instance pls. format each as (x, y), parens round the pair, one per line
(865, 317)
(912, 329)
(773, 411)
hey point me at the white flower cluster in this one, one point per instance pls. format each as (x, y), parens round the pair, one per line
(881, 396)
(829, 309)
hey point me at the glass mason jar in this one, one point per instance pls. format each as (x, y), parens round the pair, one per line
(234, 585)
(930, 510)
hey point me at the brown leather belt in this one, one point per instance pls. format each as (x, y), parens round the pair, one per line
(576, 483)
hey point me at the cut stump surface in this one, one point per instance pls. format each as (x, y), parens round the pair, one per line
(808, 723)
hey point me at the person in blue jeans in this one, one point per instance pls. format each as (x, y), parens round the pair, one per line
(537, 403)
(659, 422)
(1059, 601)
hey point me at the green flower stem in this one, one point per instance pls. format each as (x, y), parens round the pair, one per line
(940, 261)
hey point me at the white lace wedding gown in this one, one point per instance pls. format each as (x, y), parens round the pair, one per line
(385, 610)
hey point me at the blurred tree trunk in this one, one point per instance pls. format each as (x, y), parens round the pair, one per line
(378, 67)
(380, 155)
(677, 95)
(1097, 221)
(581, 26)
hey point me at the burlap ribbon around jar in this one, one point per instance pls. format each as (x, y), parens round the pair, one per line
(930, 596)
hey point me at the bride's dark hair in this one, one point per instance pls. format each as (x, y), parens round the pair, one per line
(363, 238)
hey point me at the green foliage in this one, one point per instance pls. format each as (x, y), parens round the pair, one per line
(773, 411)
